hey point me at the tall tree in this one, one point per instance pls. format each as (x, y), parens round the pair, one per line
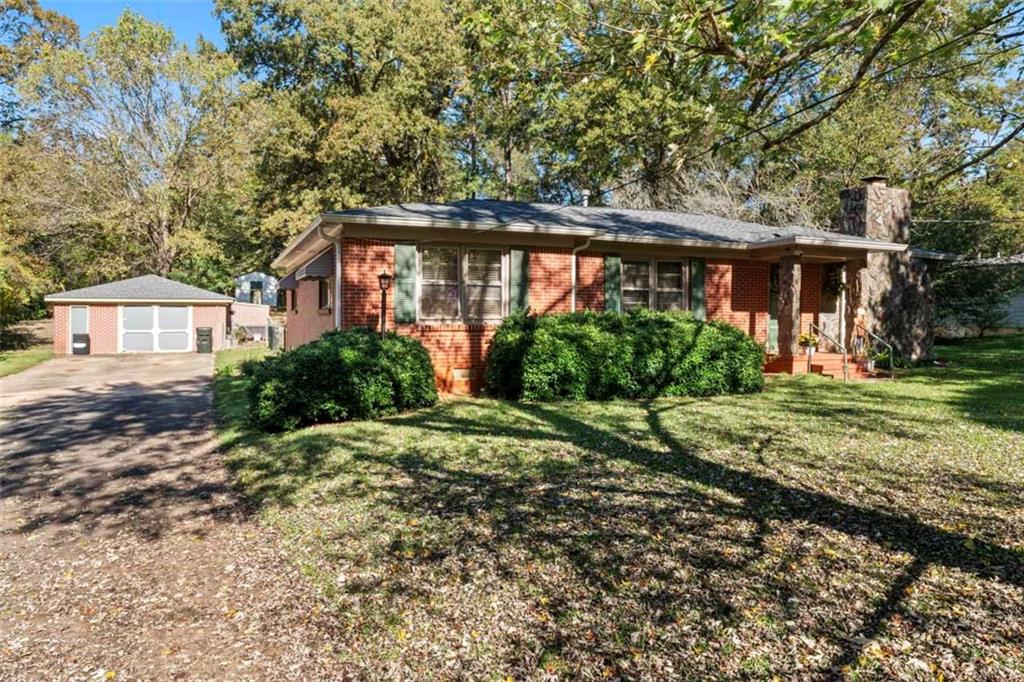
(642, 88)
(135, 142)
(360, 94)
(26, 30)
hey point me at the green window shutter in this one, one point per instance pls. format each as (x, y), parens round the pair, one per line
(698, 303)
(519, 280)
(613, 284)
(405, 283)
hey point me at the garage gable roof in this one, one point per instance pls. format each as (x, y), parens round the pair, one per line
(145, 288)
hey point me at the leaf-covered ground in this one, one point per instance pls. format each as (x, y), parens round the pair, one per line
(865, 530)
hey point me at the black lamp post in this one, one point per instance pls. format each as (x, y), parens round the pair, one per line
(384, 279)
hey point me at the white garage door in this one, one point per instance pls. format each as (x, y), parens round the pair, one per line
(156, 328)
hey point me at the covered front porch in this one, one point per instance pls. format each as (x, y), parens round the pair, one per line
(814, 326)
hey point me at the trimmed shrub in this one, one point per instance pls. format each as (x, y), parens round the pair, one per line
(351, 374)
(504, 369)
(598, 356)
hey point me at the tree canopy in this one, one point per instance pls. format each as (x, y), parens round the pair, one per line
(129, 152)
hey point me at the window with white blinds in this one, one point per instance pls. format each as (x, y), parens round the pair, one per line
(461, 284)
(439, 283)
(483, 284)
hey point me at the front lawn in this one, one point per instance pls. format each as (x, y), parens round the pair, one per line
(816, 529)
(14, 361)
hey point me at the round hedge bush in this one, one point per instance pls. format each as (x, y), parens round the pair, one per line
(351, 374)
(598, 356)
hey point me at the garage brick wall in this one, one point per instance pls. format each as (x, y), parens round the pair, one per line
(214, 316)
(103, 326)
(60, 329)
(103, 329)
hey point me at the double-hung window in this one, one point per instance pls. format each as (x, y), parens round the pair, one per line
(439, 283)
(655, 284)
(483, 284)
(461, 284)
(636, 285)
(670, 281)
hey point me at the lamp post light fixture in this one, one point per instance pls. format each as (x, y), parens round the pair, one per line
(384, 279)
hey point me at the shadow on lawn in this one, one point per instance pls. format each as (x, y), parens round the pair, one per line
(657, 531)
(544, 512)
(110, 458)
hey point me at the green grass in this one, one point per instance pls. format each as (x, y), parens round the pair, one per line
(869, 530)
(14, 361)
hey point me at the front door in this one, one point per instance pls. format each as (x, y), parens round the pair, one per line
(773, 309)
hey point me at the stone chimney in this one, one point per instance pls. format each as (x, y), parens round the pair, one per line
(893, 288)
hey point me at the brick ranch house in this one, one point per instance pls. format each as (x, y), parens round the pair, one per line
(459, 268)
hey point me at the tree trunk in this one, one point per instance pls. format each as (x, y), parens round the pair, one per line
(788, 305)
(507, 171)
(163, 251)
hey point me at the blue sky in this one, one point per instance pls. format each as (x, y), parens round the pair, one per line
(187, 18)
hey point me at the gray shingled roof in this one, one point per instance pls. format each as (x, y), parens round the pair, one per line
(613, 222)
(147, 287)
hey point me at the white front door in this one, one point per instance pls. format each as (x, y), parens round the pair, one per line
(156, 328)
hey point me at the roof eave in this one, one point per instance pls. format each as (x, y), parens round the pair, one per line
(856, 244)
(282, 260)
(145, 301)
(286, 260)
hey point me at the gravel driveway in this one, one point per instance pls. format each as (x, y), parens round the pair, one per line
(124, 551)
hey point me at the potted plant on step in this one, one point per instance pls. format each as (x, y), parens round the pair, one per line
(809, 342)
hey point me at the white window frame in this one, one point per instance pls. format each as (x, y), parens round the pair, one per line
(463, 262)
(652, 279)
(155, 329)
(71, 332)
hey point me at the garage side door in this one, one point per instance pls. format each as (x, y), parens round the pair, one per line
(156, 328)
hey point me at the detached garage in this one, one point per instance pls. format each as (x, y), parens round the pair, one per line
(146, 314)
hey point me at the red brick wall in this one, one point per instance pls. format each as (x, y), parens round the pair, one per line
(810, 294)
(590, 281)
(103, 329)
(457, 351)
(549, 280)
(361, 261)
(61, 320)
(213, 316)
(736, 291)
(309, 323)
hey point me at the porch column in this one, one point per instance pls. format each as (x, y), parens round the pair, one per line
(855, 272)
(788, 305)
